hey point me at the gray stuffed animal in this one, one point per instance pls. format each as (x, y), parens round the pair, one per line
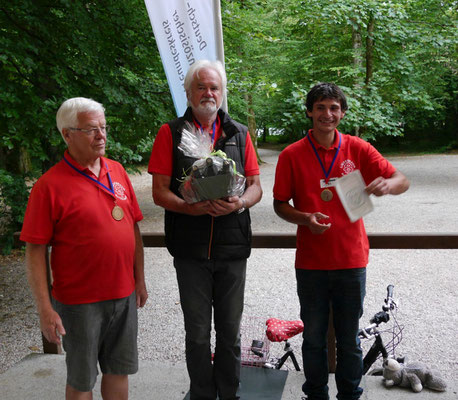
(414, 375)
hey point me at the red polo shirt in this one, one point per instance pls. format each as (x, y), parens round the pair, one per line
(297, 178)
(161, 160)
(92, 255)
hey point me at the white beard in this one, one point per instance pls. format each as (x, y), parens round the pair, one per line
(207, 108)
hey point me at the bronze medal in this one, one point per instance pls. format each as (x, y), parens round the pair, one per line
(326, 195)
(117, 213)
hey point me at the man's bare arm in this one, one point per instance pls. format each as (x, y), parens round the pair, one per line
(251, 196)
(139, 271)
(312, 220)
(164, 197)
(50, 322)
(396, 184)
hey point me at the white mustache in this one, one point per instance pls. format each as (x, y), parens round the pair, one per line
(205, 99)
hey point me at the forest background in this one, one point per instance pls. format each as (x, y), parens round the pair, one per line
(396, 60)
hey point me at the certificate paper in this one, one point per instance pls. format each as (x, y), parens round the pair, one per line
(355, 200)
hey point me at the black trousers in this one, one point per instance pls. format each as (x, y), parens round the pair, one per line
(345, 289)
(206, 286)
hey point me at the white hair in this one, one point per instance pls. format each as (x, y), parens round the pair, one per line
(67, 115)
(194, 70)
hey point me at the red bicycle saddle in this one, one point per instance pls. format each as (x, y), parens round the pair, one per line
(279, 330)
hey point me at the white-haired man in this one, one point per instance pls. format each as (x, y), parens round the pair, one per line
(209, 240)
(86, 209)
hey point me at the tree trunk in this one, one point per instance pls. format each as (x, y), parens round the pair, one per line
(370, 50)
(357, 62)
(252, 124)
(2, 159)
(357, 56)
(25, 164)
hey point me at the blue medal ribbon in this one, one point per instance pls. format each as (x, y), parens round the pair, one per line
(213, 129)
(328, 172)
(110, 189)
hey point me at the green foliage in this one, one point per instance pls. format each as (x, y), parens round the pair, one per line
(13, 200)
(409, 47)
(294, 118)
(55, 50)
(396, 60)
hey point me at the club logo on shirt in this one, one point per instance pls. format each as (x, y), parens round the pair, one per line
(347, 166)
(119, 190)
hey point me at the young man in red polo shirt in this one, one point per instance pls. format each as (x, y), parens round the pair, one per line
(86, 209)
(332, 252)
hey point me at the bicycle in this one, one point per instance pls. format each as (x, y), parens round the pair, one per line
(256, 352)
(371, 332)
(257, 335)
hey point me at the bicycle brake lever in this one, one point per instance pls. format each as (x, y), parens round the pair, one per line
(256, 347)
(391, 306)
(256, 352)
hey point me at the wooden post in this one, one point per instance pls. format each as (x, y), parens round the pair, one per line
(48, 347)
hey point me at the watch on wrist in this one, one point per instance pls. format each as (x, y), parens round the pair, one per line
(241, 209)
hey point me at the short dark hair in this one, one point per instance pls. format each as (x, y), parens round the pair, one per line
(325, 90)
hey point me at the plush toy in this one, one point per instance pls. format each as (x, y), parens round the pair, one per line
(414, 375)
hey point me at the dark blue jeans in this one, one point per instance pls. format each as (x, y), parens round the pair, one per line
(344, 291)
(206, 286)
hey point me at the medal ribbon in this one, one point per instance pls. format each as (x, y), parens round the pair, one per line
(213, 129)
(110, 189)
(328, 172)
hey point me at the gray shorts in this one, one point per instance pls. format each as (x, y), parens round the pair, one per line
(103, 332)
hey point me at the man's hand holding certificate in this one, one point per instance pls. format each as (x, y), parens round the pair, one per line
(354, 198)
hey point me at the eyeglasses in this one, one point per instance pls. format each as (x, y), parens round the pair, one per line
(93, 131)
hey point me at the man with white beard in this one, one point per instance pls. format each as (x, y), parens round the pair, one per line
(210, 240)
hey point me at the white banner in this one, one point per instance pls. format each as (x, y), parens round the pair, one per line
(185, 31)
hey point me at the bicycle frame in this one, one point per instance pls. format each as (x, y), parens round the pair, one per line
(373, 353)
(288, 354)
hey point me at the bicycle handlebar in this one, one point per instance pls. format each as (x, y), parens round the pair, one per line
(381, 316)
(389, 291)
(389, 298)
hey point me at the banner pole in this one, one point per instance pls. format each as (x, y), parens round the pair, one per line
(219, 42)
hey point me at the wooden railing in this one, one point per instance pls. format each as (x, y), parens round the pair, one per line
(273, 240)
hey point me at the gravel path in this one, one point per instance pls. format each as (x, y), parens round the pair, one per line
(425, 280)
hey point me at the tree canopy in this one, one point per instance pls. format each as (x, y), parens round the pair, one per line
(395, 59)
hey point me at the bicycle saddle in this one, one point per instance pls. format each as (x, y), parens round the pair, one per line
(279, 330)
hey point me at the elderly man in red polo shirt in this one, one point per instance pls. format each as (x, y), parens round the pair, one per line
(86, 209)
(332, 252)
(210, 240)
